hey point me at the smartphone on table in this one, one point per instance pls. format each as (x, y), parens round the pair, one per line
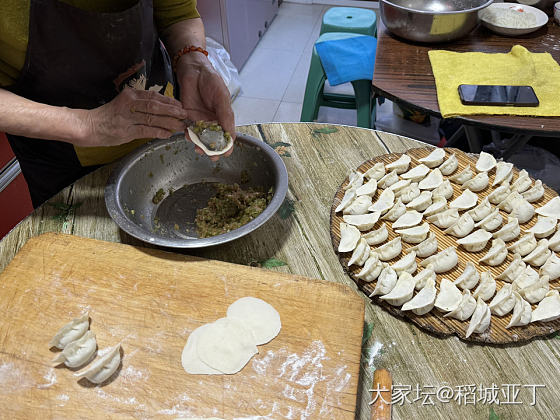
(498, 95)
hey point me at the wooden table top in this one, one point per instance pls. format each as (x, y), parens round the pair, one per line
(317, 163)
(403, 73)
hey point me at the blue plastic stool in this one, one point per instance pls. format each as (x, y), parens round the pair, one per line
(350, 19)
(315, 97)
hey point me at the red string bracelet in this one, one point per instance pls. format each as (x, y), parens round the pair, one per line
(187, 50)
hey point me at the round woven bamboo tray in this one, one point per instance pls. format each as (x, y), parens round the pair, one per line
(434, 321)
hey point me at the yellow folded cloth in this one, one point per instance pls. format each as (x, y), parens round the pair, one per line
(518, 67)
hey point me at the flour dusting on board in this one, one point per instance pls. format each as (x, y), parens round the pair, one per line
(50, 377)
(305, 380)
(13, 379)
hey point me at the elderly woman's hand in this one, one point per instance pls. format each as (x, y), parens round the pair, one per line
(133, 114)
(203, 93)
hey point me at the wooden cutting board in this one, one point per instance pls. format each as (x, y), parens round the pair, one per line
(150, 301)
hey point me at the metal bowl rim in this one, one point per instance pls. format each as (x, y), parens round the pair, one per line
(445, 12)
(115, 211)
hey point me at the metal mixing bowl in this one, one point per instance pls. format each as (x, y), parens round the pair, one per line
(172, 165)
(431, 20)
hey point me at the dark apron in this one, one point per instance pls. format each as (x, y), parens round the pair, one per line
(80, 59)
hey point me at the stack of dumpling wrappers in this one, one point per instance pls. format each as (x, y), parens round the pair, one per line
(474, 242)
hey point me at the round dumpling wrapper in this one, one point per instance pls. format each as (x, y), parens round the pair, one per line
(190, 360)
(258, 316)
(226, 345)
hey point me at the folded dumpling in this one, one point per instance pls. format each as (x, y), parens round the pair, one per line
(362, 221)
(449, 296)
(509, 231)
(348, 197)
(409, 219)
(528, 278)
(435, 158)
(504, 301)
(468, 278)
(551, 267)
(388, 180)
(521, 312)
(427, 247)
(536, 291)
(371, 269)
(492, 221)
(514, 270)
(398, 186)
(102, 369)
(409, 193)
(554, 241)
(465, 308)
(438, 204)
(522, 183)
(524, 245)
(359, 205)
(539, 255)
(423, 276)
(376, 237)
(360, 253)
(442, 261)
(349, 237)
(414, 235)
(444, 219)
(385, 282)
(548, 309)
(507, 203)
(467, 200)
(504, 170)
(369, 188)
(376, 172)
(445, 190)
(463, 176)
(384, 202)
(462, 227)
(433, 180)
(551, 209)
(480, 320)
(422, 202)
(402, 292)
(487, 286)
(355, 180)
(476, 241)
(390, 250)
(485, 162)
(450, 165)
(406, 264)
(70, 332)
(481, 211)
(522, 210)
(417, 173)
(497, 253)
(478, 183)
(535, 193)
(499, 194)
(400, 165)
(424, 300)
(544, 227)
(395, 212)
(77, 353)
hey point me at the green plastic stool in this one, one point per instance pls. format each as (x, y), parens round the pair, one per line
(350, 19)
(315, 97)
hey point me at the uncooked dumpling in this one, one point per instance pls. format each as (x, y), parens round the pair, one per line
(551, 267)
(544, 227)
(226, 345)
(369, 188)
(371, 269)
(524, 245)
(445, 218)
(450, 165)
(388, 180)
(102, 369)
(503, 171)
(390, 250)
(551, 209)
(548, 309)
(535, 193)
(476, 241)
(522, 210)
(355, 180)
(349, 237)
(362, 221)
(478, 183)
(554, 241)
(507, 203)
(424, 300)
(417, 173)
(539, 255)
(421, 279)
(422, 202)
(438, 204)
(385, 282)
(465, 308)
(78, 352)
(402, 292)
(414, 235)
(359, 205)
(497, 253)
(492, 221)
(445, 190)
(400, 165)
(509, 231)
(514, 270)
(481, 211)
(521, 312)
(480, 319)
(376, 172)
(442, 261)
(485, 162)
(408, 219)
(462, 227)
(258, 316)
(469, 278)
(360, 253)
(528, 278)
(406, 264)
(499, 194)
(384, 202)
(487, 286)
(433, 180)
(395, 212)
(409, 193)
(503, 302)
(465, 201)
(70, 332)
(376, 237)
(398, 186)
(427, 247)
(463, 176)
(434, 159)
(522, 183)
(349, 196)
(536, 291)
(449, 296)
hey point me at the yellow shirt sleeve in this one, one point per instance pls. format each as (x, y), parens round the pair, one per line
(168, 12)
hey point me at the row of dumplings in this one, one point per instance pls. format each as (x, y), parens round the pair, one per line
(78, 345)
(405, 223)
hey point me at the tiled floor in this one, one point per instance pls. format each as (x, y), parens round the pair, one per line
(273, 79)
